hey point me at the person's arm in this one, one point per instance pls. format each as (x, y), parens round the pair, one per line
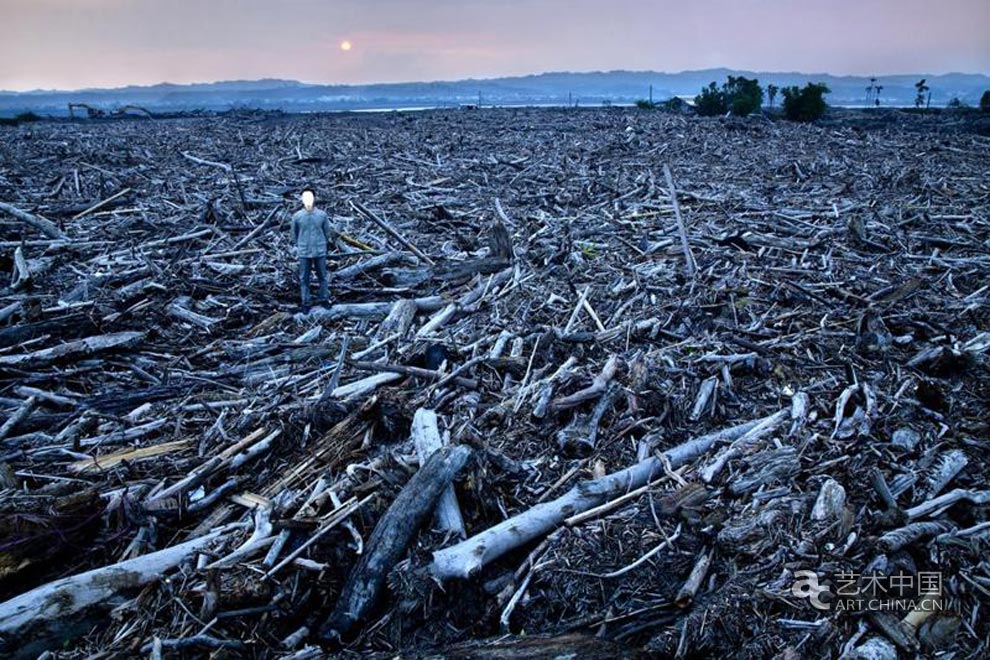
(295, 229)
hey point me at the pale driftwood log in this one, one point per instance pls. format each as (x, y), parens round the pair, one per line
(466, 302)
(593, 391)
(45, 226)
(363, 386)
(467, 557)
(179, 309)
(408, 511)
(78, 347)
(372, 263)
(896, 539)
(49, 397)
(943, 501)
(399, 319)
(406, 370)
(689, 263)
(742, 444)
(427, 440)
(687, 592)
(18, 416)
(372, 310)
(705, 393)
(22, 272)
(9, 310)
(546, 386)
(47, 605)
(580, 435)
(391, 231)
(799, 412)
(261, 537)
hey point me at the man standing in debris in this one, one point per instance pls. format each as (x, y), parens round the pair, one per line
(311, 231)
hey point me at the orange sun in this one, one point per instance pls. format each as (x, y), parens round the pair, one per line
(345, 45)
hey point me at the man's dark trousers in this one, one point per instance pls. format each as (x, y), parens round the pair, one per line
(305, 267)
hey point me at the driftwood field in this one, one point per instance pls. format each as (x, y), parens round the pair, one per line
(605, 382)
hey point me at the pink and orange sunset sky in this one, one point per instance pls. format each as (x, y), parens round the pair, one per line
(70, 44)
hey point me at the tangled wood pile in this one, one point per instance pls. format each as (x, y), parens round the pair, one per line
(565, 399)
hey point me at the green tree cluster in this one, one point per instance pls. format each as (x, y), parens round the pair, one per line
(806, 103)
(738, 95)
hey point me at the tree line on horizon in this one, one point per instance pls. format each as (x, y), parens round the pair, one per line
(741, 96)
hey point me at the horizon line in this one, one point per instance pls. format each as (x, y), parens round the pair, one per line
(38, 90)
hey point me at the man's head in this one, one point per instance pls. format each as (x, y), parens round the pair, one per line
(308, 198)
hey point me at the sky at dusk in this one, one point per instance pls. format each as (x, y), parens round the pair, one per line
(71, 44)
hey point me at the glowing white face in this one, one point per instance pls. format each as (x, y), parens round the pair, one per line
(308, 198)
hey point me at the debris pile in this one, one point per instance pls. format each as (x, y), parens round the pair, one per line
(592, 381)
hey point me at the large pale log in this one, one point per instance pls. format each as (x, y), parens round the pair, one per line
(399, 319)
(49, 605)
(426, 438)
(75, 348)
(371, 310)
(468, 557)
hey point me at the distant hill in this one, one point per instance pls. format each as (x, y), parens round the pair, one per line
(593, 88)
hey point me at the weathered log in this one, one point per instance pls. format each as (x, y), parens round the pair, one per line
(579, 437)
(427, 440)
(45, 226)
(410, 371)
(179, 308)
(366, 265)
(593, 391)
(363, 386)
(399, 319)
(372, 310)
(689, 263)
(87, 346)
(392, 535)
(391, 231)
(17, 416)
(467, 557)
(944, 501)
(44, 609)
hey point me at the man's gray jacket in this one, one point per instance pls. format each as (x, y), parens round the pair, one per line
(311, 231)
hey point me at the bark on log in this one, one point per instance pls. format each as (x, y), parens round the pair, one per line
(392, 535)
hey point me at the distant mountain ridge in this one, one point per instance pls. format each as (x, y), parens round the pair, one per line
(553, 88)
